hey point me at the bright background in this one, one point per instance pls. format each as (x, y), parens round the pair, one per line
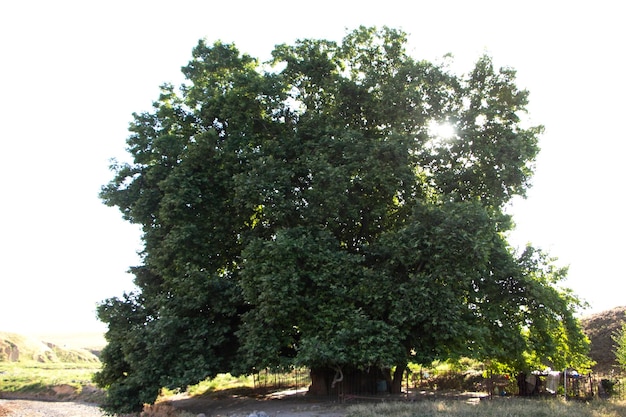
(73, 72)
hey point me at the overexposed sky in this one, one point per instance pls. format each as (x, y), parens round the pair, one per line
(73, 72)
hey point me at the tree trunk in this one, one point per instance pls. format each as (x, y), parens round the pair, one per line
(320, 381)
(396, 384)
(355, 381)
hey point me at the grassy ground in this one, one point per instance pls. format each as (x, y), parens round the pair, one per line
(73, 381)
(509, 407)
(47, 380)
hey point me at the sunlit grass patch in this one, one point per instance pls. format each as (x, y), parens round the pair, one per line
(35, 377)
(260, 381)
(219, 383)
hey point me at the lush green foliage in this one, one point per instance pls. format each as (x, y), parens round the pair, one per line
(306, 212)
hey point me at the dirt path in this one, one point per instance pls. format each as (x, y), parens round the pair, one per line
(210, 407)
(29, 408)
(292, 404)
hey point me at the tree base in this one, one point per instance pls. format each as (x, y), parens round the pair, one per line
(332, 381)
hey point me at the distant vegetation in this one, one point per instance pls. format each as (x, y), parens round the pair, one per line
(30, 368)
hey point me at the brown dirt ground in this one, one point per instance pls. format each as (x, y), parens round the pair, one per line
(233, 403)
(283, 404)
(293, 404)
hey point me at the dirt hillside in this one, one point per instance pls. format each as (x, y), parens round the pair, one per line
(19, 348)
(599, 328)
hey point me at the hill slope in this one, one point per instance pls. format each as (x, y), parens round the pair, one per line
(600, 328)
(18, 348)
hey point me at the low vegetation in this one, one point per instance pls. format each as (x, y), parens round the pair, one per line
(511, 407)
(17, 377)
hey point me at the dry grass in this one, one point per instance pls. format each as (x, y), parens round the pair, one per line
(510, 407)
(163, 410)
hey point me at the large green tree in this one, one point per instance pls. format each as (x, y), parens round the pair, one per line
(305, 211)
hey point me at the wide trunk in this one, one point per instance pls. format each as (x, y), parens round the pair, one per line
(321, 380)
(350, 380)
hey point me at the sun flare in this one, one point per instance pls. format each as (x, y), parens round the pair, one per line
(441, 130)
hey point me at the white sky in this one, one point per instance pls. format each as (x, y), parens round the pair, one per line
(72, 72)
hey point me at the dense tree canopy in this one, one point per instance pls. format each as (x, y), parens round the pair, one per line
(306, 211)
